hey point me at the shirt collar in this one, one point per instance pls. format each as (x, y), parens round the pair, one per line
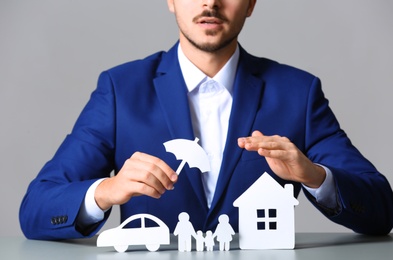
(194, 76)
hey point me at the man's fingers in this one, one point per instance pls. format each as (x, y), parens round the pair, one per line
(277, 154)
(256, 133)
(144, 189)
(146, 177)
(269, 146)
(157, 167)
(141, 174)
(156, 161)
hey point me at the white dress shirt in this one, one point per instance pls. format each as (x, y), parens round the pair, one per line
(207, 98)
(210, 102)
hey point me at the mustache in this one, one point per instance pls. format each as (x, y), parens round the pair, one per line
(210, 13)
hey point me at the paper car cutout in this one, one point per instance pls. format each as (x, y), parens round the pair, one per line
(121, 237)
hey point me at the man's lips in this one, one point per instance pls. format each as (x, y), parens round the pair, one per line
(210, 17)
(209, 20)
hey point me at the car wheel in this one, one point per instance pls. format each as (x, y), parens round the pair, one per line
(153, 247)
(121, 248)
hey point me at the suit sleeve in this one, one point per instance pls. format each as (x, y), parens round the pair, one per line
(364, 195)
(53, 199)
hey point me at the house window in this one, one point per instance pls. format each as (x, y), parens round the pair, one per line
(261, 225)
(272, 213)
(266, 219)
(260, 213)
(273, 225)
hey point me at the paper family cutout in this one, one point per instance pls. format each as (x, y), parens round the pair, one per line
(267, 222)
(185, 231)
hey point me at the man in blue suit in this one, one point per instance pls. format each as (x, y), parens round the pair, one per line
(251, 114)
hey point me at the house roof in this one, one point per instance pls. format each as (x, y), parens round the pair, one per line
(266, 190)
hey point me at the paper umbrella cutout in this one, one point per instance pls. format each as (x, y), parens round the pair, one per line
(189, 152)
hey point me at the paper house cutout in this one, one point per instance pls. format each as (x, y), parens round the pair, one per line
(151, 236)
(267, 215)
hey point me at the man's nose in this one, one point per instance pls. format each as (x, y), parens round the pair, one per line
(211, 4)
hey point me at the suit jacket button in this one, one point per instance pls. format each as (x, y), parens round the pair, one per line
(54, 221)
(63, 219)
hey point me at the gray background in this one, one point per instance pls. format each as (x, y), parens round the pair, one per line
(51, 53)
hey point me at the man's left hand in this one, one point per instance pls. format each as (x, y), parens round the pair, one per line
(284, 158)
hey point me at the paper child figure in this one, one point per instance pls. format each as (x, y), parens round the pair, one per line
(224, 232)
(199, 241)
(184, 230)
(209, 241)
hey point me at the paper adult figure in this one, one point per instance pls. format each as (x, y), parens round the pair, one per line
(184, 230)
(190, 152)
(224, 232)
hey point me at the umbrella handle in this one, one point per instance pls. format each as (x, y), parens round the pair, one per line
(183, 162)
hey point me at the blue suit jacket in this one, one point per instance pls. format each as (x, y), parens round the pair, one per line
(140, 105)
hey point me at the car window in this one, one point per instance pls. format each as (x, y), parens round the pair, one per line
(150, 223)
(136, 223)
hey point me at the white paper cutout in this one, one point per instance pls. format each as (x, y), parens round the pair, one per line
(185, 231)
(200, 241)
(267, 215)
(189, 152)
(209, 241)
(120, 238)
(224, 232)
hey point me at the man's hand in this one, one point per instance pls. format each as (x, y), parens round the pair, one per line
(142, 174)
(284, 158)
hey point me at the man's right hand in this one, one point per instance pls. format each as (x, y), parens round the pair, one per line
(141, 174)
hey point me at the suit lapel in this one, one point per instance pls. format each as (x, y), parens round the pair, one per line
(172, 95)
(247, 94)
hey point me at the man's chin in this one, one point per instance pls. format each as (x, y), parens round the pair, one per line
(210, 46)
